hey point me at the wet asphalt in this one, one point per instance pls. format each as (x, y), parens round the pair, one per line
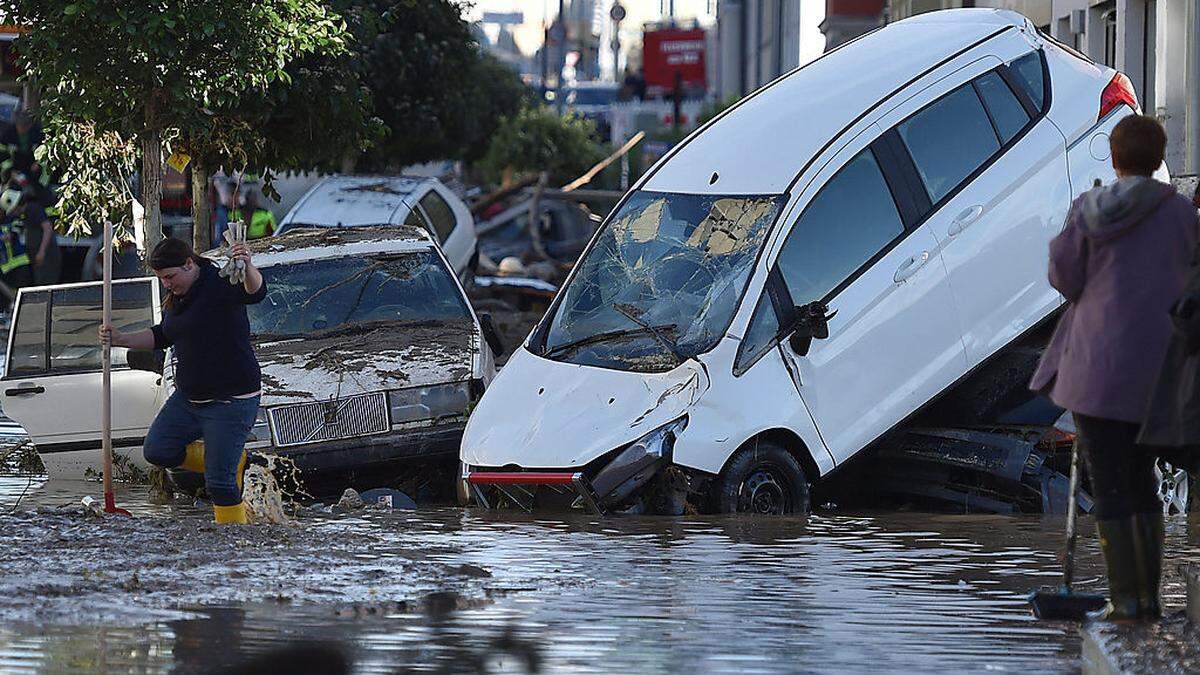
(454, 590)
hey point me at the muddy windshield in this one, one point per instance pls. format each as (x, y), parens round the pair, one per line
(662, 281)
(318, 295)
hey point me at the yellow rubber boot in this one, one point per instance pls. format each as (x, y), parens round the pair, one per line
(193, 460)
(193, 457)
(230, 515)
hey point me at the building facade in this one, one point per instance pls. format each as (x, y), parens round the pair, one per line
(848, 19)
(757, 41)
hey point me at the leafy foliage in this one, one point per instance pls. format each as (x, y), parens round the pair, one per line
(146, 70)
(437, 94)
(538, 139)
(96, 167)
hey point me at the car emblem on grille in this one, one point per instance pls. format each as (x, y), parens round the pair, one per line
(331, 410)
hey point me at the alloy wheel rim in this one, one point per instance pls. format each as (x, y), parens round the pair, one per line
(1172, 488)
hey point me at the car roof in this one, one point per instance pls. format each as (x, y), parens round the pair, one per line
(760, 145)
(355, 200)
(318, 243)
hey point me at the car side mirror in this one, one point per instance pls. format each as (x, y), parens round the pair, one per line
(491, 335)
(811, 322)
(149, 360)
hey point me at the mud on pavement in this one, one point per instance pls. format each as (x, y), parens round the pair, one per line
(68, 565)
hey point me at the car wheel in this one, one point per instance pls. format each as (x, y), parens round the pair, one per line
(1173, 488)
(763, 479)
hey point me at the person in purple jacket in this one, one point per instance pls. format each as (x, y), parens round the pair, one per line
(1121, 262)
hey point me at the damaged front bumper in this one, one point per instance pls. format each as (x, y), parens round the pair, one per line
(363, 462)
(612, 482)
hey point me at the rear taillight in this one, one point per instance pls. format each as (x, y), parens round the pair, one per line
(1119, 91)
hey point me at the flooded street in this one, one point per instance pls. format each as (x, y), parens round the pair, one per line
(454, 590)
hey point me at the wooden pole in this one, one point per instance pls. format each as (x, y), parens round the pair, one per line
(110, 505)
(602, 164)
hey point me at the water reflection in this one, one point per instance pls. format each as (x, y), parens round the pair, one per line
(830, 593)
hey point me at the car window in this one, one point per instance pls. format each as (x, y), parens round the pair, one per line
(1007, 112)
(1029, 71)
(29, 335)
(948, 140)
(440, 214)
(760, 335)
(70, 345)
(848, 222)
(75, 315)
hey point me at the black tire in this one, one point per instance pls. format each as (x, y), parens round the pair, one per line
(764, 479)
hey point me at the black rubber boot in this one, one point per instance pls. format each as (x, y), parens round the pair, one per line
(1149, 540)
(1118, 540)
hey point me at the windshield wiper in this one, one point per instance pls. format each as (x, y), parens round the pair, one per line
(628, 310)
(592, 339)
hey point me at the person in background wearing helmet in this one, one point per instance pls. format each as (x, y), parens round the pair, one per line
(22, 139)
(262, 221)
(40, 238)
(15, 271)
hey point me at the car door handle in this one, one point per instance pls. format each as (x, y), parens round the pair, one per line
(963, 220)
(911, 266)
(26, 390)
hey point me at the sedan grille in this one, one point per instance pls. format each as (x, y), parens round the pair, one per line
(330, 420)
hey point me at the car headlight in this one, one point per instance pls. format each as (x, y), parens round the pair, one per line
(634, 466)
(434, 402)
(261, 431)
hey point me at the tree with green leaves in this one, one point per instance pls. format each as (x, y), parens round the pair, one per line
(147, 71)
(435, 91)
(538, 139)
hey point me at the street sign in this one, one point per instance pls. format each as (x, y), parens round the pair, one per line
(673, 52)
(617, 13)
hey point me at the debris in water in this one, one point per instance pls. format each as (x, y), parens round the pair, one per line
(350, 501)
(387, 498)
(92, 506)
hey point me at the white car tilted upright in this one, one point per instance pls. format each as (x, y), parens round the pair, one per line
(804, 273)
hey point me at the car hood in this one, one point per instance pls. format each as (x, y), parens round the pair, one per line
(540, 413)
(363, 358)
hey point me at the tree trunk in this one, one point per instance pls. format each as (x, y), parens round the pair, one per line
(349, 161)
(152, 187)
(201, 228)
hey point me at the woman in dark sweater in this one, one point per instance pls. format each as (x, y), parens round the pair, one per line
(217, 378)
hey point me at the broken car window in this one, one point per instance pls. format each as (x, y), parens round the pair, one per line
(662, 281)
(317, 295)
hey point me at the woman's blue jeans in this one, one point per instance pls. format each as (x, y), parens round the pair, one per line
(224, 426)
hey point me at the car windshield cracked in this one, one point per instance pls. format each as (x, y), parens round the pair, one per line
(662, 281)
(319, 295)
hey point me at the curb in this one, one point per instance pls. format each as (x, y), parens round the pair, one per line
(1169, 646)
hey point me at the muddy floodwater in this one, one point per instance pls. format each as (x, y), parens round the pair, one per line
(452, 590)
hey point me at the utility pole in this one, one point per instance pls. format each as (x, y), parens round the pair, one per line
(560, 57)
(617, 14)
